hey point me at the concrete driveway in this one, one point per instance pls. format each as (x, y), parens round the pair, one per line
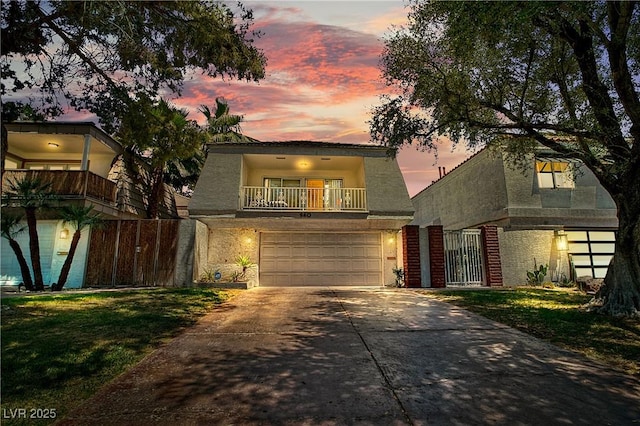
(325, 356)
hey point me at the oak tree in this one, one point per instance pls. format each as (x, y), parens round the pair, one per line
(564, 75)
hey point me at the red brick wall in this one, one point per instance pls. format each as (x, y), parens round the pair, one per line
(411, 250)
(436, 256)
(492, 263)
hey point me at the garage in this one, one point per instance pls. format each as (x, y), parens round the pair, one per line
(310, 259)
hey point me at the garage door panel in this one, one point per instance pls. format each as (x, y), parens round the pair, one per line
(306, 259)
(372, 252)
(329, 252)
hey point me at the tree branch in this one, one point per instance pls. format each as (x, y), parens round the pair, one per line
(595, 90)
(73, 46)
(620, 14)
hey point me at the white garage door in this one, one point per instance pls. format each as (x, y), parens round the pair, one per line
(308, 259)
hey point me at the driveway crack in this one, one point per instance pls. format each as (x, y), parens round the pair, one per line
(386, 379)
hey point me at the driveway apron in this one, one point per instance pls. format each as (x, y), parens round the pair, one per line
(325, 356)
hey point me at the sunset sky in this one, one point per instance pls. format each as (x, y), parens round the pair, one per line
(322, 79)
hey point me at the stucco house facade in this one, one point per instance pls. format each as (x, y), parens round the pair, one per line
(84, 166)
(306, 213)
(554, 213)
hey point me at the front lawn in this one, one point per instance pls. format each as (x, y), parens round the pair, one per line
(57, 350)
(557, 316)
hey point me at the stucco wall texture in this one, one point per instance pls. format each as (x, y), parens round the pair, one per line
(521, 251)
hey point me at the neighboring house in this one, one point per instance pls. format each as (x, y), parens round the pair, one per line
(556, 202)
(307, 213)
(84, 166)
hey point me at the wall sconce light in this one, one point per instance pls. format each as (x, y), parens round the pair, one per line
(53, 145)
(64, 234)
(562, 243)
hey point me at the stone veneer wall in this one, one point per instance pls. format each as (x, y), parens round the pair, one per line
(224, 247)
(390, 257)
(520, 251)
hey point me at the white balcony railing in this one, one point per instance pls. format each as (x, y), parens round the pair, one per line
(303, 199)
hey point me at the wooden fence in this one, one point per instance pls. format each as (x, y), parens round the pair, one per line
(133, 252)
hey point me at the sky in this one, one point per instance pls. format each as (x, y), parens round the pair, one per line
(322, 79)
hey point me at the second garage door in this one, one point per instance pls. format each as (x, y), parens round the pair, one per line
(308, 259)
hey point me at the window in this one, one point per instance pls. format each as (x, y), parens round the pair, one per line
(31, 165)
(591, 251)
(309, 193)
(554, 174)
(279, 192)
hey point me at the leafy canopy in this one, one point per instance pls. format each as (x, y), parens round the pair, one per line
(564, 74)
(99, 54)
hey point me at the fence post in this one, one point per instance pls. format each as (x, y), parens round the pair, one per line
(491, 251)
(436, 256)
(411, 261)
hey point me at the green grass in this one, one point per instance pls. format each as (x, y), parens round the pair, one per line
(57, 350)
(557, 316)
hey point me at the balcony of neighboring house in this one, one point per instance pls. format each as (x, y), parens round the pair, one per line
(74, 158)
(67, 184)
(300, 183)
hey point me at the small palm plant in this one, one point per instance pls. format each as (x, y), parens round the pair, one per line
(245, 263)
(80, 217)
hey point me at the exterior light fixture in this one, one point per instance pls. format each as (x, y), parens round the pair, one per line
(64, 234)
(53, 145)
(562, 243)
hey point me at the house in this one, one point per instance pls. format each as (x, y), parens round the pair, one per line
(84, 165)
(307, 213)
(554, 213)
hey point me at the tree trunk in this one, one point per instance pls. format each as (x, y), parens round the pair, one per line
(34, 248)
(24, 267)
(156, 194)
(620, 295)
(66, 267)
(5, 148)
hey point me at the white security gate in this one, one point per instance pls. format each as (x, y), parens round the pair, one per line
(463, 257)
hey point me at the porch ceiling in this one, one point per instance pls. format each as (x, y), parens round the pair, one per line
(301, 162)
(34, 145)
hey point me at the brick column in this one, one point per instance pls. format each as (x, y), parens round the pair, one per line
(411, 261)
(436, 256)
(491, 251)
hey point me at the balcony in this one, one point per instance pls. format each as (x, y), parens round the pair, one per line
(67, 183)
(303, 199)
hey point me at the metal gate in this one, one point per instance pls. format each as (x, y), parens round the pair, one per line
(463, 258)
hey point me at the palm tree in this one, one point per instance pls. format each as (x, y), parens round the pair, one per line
(79, 217)
(10, 227)
(182, 174)
(160, 134)
(31, 194)
(222, 126)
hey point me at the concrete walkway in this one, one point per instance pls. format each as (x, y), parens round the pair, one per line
(325, 356)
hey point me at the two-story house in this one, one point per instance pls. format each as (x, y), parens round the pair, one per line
(556, 213)
(307, 213)
(84, 166)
